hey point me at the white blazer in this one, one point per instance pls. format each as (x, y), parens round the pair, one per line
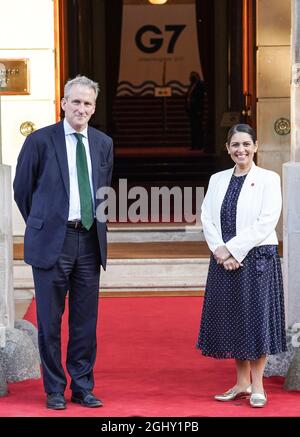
(258, 210)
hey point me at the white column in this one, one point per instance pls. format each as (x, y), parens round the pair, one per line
(279, 365)
(295, 82)
(291, 241)
(7, 312)
(291, 184)
(0, 135)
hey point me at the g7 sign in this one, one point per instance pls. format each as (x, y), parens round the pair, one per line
(156, 43)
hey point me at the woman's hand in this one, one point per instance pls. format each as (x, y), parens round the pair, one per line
(231, 264)
(221, 254)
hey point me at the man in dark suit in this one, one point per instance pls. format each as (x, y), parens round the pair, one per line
(59, 170)
(194, 104)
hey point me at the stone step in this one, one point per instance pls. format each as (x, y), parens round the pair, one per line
(142, 258)
(134, 275)
(142, 233)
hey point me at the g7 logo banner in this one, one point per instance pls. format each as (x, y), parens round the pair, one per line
(159, 46)
(156, 43)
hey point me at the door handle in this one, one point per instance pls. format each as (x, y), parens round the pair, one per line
(27, 127)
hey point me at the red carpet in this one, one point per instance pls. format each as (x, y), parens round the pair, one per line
(148, 366)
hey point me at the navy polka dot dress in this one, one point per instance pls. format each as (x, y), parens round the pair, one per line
(243, 310)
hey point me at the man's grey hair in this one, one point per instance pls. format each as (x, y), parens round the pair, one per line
(83, 81)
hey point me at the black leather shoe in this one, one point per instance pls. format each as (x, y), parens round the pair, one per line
(56, 401)
(86, 399)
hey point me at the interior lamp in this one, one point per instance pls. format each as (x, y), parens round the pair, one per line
(157, 2)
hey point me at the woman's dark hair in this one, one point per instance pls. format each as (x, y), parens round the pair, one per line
(241, 128)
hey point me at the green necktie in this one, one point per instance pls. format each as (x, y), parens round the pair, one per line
(86, 203)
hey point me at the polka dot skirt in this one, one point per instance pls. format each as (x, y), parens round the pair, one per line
(243, 311)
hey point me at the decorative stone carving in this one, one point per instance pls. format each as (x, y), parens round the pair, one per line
(292, 381)
(29, 329)
(278, 365)
(19, 359)
(3, 385)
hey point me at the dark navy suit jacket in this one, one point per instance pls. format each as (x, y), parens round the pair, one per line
(42, 189)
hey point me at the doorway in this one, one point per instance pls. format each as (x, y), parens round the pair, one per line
(90, 42)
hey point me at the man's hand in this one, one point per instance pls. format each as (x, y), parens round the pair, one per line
(221, 254)
(232, 264)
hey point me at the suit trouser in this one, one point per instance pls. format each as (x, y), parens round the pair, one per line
(78, 271)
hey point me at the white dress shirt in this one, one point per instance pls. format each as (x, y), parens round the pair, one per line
(71, 143)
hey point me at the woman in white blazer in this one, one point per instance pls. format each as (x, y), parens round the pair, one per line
(243, 310)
